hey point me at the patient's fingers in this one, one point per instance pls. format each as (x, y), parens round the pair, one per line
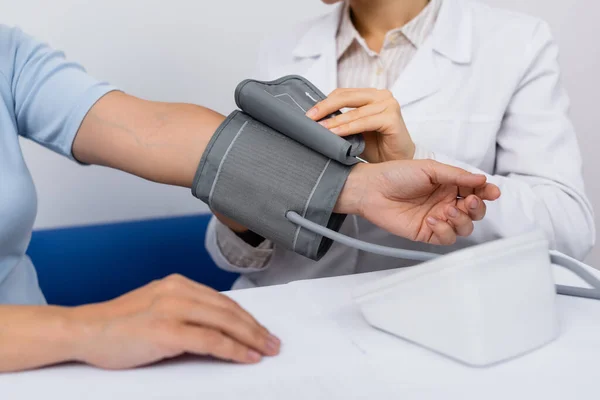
(443, 232)
(488, 192)
(448, 175)
(207, 341)
(463, 224)
(473, 206)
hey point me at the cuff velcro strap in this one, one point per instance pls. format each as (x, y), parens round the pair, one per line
(254, 175)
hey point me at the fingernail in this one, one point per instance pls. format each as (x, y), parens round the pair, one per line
(324, 123)
(431, 220)
(253, 356)
(453, 212)
(273, 344)
(336, 130)
(311, 113)
(473, 204)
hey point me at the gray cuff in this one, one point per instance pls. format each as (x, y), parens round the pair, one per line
(254, 175)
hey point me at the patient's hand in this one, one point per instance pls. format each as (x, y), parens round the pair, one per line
(167, 318)
(422, 200)
(376, 114)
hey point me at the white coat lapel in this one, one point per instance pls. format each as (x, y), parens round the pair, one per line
(318, 47)
(323, 72)
(449, 45)
(421, 78)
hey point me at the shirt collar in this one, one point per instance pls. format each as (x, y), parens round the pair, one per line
(451, 35)
(416, 30)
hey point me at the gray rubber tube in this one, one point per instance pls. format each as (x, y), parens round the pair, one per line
(359, 244)
(576, 267)
(556, 257)
(255, 101)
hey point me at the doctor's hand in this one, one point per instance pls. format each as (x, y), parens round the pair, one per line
(165, 319)
(376, 114)
(421, 200)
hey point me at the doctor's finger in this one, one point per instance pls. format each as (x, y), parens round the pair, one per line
(343, 99)
(372, 110)
(443, 232)
(373, 124)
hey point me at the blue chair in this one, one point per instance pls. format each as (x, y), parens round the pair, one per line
(96, 263)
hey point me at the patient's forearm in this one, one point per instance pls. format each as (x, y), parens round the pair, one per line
(34, 336)
(161, 142)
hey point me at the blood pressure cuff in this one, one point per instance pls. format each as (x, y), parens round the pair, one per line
(270, 158)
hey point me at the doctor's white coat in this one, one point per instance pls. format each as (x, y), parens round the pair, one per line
(484, 94)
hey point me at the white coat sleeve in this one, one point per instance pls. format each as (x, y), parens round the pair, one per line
(231, 253)
(538, 162)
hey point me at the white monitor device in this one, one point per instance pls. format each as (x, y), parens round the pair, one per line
(481, 305)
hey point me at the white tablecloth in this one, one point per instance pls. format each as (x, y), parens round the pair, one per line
(331, 352)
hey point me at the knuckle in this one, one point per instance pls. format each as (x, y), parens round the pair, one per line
(169, 286)
(171, 283)
(175, 278)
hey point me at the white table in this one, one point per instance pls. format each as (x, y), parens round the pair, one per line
(330, 352)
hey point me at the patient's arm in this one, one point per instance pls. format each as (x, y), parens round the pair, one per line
(163, 142)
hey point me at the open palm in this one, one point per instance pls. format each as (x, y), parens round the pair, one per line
(422, 200)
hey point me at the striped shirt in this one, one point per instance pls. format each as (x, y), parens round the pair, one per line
(358, 67)
(361, 67)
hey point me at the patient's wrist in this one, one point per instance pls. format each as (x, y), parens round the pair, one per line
(351, 198)
(72, 334)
